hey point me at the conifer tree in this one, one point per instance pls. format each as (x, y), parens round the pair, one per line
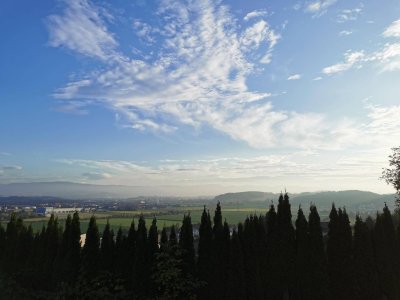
(91, 251)
(339, 250)
(303, 285)
(235, 285)
(107, 249)
(218, 259)
(163, 240)
(367, 287)
(120, 254)
(186, 244)
(204, 261)
(140, 266)
(129, 255)
(152, 242)
(271, 281)
(173, 240)
(318, 273)
(386, 254)
(285, 243)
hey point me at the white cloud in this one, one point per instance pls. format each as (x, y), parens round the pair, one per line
(319, 8)
(256, 14)
(202, 65)
(350, 14)
(351, 58)
(294, 77)
(345, 32)
(317, 78)
(96, 176)
(387, 57)
(81, 28)
(393, 30)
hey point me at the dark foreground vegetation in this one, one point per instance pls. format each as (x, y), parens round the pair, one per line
(266, 257)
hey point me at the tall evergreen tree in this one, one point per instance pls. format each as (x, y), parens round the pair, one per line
(386, 254)
(91, 251)
(286, 246)
(107, 249)
(367, 287)
(186, 243)
(236, 283)
(339, 250)
(164, 240)
(204, 261)
(318, 273)
(140, 267)
(303, 285)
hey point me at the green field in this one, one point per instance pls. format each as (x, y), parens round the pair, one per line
(166, 217)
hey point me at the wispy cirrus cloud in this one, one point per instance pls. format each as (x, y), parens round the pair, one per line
(351, 58)
(387, 57)
(82, 28)
(319, 8)
(255, 14)
(350, 14)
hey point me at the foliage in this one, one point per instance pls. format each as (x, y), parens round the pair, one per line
(392, 174)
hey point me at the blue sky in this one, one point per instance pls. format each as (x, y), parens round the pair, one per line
(200, 97)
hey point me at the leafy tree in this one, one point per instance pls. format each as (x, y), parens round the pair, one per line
(392, 174)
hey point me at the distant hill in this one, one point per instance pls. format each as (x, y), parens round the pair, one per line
(353, 200)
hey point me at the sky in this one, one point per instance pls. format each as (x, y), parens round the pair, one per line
(200, 97)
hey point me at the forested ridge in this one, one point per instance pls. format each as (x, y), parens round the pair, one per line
(265, 257)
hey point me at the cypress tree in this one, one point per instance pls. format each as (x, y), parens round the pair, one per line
(120, 254)
(186, 244)
(140, 266)
(318, 272)
(204, 261)
(272, 284)
(107, 249)
(339, 250)
(173, 240)
(367, 287)
(164, 240)
(129, 256)
(152, 243)
(218, 276)
(386, 254)
(235, 285)
(91, 251)
(285, 243)
(2, 244)
(303, 285)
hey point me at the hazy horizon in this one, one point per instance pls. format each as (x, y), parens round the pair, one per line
(199, 98)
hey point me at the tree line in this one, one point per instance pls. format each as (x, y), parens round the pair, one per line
(265, 257)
